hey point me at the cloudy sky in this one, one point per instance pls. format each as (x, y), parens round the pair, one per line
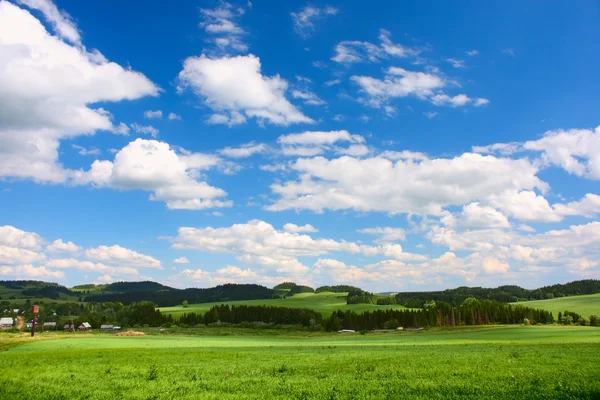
(394, 147)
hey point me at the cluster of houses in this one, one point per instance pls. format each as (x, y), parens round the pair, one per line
(6, 323)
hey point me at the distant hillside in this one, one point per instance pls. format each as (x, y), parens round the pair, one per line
(35, 289)
(129, 292)
(505, 294)
(585, 305)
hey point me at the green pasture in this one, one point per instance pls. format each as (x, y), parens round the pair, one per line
(585, 305)
(537, 362)
(324, 302)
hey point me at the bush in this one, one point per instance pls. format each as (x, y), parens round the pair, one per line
(526, 321)
(594, 320)
(584, 321)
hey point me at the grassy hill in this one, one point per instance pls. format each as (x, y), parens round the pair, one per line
(324, 302)
(585, 305)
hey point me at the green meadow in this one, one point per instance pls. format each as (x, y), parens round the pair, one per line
(585, 305)
(324, 302)
(534, 362)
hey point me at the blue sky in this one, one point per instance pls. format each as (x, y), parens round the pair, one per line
(394, 147)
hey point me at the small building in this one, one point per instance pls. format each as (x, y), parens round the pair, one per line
(399, 328)
(6, 322)
(346, 331)
(85, 326)
(29, 325)
(49, 325)
(16, 310)
(106, 327)
(414, 329)
(116, 328)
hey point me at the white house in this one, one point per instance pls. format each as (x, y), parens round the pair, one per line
(6, 322)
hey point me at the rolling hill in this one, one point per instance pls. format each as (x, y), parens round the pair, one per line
(323, 302)
(585, 305)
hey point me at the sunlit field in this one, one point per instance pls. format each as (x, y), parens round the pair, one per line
(538, 362)
(585, 305)
(324, 302)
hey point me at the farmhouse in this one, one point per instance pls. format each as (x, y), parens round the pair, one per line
(106, 327)
(6, 322)
(85, 326)
(49, 325)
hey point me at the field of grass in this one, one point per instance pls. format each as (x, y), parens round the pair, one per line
(324, 302)
(585, 305)
(537, 362)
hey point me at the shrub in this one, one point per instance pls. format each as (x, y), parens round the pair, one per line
(594, 320)
(584, 321)
(526, 321)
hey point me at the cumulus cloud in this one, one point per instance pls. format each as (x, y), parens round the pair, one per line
(46, 88)
(304, 20)
(181, 260)
(386, 234)
(158, 114)
(145, 129)
(174, 117)
(308, 97)
(259, 243)
(154, 166)
(222, 28)
(403, 186)
(58, 246)
(30, 272)
(245, 150)
(15, 237)
(235, 89)
(354, 51)
(311, 143)
(293, 228)
(120, 255)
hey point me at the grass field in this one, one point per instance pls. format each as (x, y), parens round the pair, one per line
(325, 303)
(585, 305)
(492, 363)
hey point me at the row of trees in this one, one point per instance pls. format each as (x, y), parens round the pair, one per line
(471, 312)
(505, 294)
(571, 318)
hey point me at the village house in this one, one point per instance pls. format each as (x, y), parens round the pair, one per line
(106, 327)
(49, 325)
(85, 326)
(6, 323)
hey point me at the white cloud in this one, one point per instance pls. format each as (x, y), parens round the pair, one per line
(472, 52)
(293, 228)
(311, 143)
(61, 21)
(120, 255)
(353, 51)
(304, 21)
(153, 166)
(148, 129)
(181, 260)
(577, 151)
(431, 114)
(221, 26)
(232, 85)
(91, 267)
(460, 100)
(333, 82)
(245, 150)
(476, 216)
(84, 151)
(173, 117)
(493, 266)
(14, 237)
(525, 205)
(15, 255)
(404, 186)
(158, 114)
(46, 87)
(58, 246)
(29, 271)
(308, 97)
(386, 234)
(588, 206)
(456, 63)
(509, 52)
(258, 242)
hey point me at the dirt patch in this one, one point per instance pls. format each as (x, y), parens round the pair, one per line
(20, 323)
(130, 333)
